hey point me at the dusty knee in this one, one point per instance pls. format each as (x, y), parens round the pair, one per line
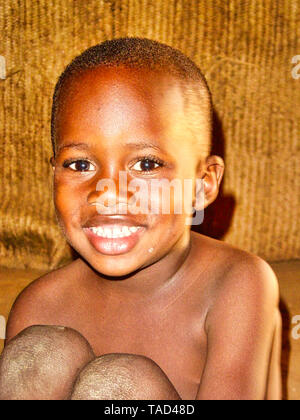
(42, 362)
(123, 376)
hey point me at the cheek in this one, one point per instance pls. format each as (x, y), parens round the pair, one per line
(171, 198)
(168, 230)
(67, 201)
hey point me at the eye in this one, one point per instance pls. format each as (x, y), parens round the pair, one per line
(79, 165)
(147, 164)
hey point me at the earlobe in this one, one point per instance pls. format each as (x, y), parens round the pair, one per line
(210, 181)
(52, 162)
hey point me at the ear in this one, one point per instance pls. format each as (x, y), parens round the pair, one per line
(211, 174)
(52, 162)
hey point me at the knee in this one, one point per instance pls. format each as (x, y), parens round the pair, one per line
(42, 362)
(121, 376)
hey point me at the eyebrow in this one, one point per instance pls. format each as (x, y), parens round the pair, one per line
(73, 145)
(85, 146)
(144, 146)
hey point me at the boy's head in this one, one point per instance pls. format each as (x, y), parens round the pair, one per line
(141, 109)
(152, 56)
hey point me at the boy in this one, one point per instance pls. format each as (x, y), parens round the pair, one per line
(168, 313)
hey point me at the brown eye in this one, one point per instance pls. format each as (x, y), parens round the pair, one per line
(146, 165)
(79, 165)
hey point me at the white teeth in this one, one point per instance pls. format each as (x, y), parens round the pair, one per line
(107, 233)
(115, 232)
(126, 231)
(133, 229)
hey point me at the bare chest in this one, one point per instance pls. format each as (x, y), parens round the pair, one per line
(173, 337)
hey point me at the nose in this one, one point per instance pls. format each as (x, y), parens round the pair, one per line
(111, 195)
(114, 188)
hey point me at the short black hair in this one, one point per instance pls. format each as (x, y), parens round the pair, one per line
(143, 53)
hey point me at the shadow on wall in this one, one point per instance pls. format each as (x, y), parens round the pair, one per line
(219, 214)
(285, 347)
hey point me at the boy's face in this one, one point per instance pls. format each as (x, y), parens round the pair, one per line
(128, 122)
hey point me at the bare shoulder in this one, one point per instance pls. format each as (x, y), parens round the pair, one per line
(251, 277)
(243, 321)
(37, 303)
(236, 272)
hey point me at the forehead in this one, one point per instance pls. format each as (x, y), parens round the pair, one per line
(118, 100)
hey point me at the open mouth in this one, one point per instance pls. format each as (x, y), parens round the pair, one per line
(114, 239)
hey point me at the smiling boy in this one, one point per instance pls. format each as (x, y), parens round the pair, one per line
(168, 313)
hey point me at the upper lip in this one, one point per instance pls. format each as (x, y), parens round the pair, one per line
(120, 220)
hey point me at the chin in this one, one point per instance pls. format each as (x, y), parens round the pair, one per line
(113, 267)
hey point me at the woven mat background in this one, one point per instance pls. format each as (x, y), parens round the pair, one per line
(245, 49)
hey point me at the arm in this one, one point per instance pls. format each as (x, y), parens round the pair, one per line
(240, 327)
(20, 314)
(30, 308)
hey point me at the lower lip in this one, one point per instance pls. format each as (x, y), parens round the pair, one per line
(114, 246)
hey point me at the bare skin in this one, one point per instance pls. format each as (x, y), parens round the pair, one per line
(204, 311)
(172, 328)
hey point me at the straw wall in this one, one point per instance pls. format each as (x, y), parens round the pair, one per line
(245, 49)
